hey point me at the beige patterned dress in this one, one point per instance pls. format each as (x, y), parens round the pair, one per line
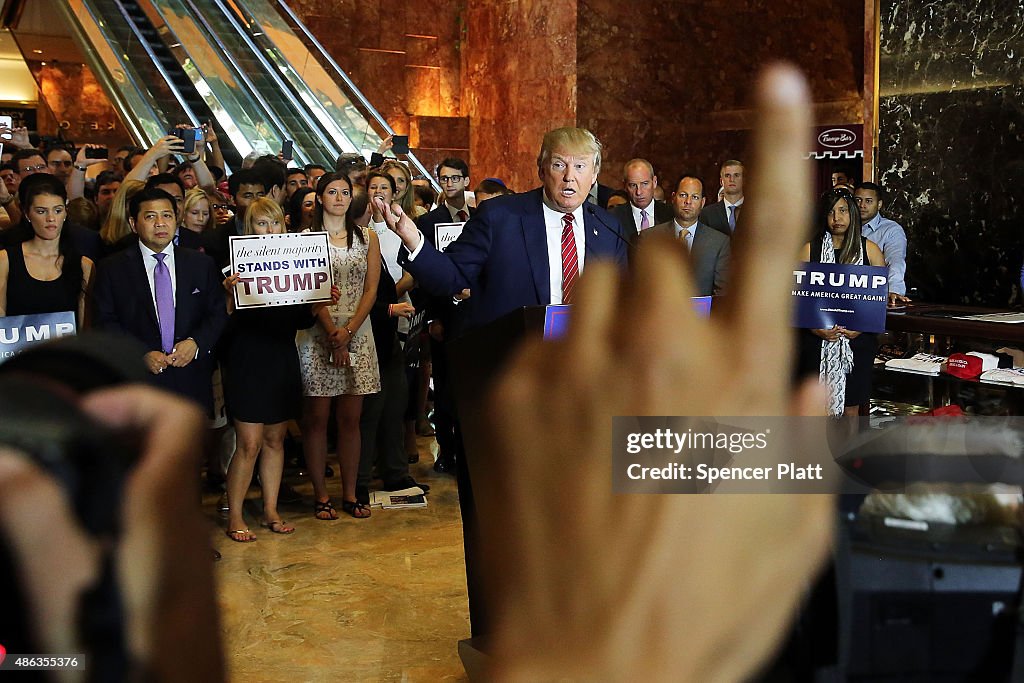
(319, 376)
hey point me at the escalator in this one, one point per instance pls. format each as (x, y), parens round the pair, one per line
(248, 67)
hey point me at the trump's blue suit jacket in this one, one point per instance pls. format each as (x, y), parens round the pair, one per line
(124, 303)
(502, 255)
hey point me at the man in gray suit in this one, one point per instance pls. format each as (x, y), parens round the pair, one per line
(722, 216)
(642, 211)
(709, 248)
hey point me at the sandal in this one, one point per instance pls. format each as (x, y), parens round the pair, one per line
(233, 535)
(355, 509)
(325, 507)
(278, 527)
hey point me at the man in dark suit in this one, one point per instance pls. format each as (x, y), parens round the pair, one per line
(709, 249)
(722, 216)
(168, 298)
(643, 211)
(444, 319)
(526, 249)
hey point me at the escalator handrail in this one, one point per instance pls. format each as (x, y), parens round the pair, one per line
(156, 63)
(353, 90)
(196, 15)
(126, 111)
(284, 88)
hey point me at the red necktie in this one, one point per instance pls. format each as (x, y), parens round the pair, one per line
(570, 264)
(462, 215)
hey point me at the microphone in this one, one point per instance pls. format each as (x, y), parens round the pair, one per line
(612, 229)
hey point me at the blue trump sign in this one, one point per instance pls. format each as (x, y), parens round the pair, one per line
(17, 332)
(830, 294)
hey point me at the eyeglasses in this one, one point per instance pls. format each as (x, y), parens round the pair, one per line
(445, 179)
(221, 207)
(32, 169)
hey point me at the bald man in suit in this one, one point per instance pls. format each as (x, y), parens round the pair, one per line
(709, 248)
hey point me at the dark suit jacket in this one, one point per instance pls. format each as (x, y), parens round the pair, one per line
(630, 228)
(709, 257)
(439, 308)
(715, 216)
(123, 303)
(504, 251)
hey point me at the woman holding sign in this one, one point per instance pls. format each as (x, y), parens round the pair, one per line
(841, 358)
(337, 355)
(44, 274)
(262, 386)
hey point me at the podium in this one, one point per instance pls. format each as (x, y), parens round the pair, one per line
(476, 360)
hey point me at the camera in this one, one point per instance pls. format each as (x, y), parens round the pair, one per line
(39, 393)
(190, 137)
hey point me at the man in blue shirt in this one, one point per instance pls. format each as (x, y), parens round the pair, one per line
(887, 234)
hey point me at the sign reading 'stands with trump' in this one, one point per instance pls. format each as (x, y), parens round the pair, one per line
(280, 270)
(830, 294)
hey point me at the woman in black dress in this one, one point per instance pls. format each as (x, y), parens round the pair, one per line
(841, 358)
(262, 386)
(45, 273)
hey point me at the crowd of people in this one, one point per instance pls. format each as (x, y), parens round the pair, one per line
(637, 602)
(120, 240)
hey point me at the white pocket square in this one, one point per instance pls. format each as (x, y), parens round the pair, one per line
(195, 291)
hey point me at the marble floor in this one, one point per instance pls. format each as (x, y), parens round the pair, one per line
(382, 599)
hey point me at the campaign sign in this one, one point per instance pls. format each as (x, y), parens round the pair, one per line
(280, 270)
(17, 332)
(556, 321)
(446, 233)
(702, 306)
(829, 294)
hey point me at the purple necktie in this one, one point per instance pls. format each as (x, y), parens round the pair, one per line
(732, 218)
(164, 302)
(644, 223)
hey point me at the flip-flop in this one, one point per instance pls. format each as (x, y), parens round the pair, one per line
(230, 534)
(278, 527)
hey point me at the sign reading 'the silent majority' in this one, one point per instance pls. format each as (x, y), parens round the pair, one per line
(446, 233)
(18, 332)
(280, 270)
(829, 294)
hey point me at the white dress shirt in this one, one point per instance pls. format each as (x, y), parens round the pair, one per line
(638, 219)
(553, 229)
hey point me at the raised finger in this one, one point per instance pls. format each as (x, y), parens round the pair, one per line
(759, 308)
(656, 312)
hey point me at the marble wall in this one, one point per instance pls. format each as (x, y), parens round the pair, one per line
(671, 81)
(73, 102)
(520, 83)
(407, 58)
(951, 144)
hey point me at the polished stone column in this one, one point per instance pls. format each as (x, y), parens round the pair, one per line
(951, 144)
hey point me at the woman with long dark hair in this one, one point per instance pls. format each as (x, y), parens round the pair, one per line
(300, 209)
(45, 273)
(841, 358)
(336, 355)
